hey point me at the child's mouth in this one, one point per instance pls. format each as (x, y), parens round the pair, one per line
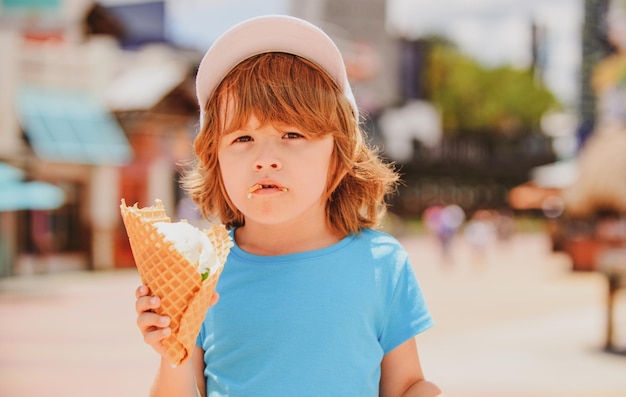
(259, 186)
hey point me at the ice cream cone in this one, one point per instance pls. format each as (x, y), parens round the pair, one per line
(185, 297)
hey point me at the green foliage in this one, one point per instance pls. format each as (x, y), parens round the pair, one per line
(473, 98)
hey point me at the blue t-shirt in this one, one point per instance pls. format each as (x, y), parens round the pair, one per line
(315, 323)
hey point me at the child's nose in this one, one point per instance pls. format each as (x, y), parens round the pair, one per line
(267, 160)
(273, 165)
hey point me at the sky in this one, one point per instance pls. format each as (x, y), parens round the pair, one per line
(495, 32)
(224, 14)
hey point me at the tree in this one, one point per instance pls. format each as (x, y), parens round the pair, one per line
(476, 99)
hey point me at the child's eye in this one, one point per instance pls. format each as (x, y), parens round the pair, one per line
(293, 135)
(243, 138)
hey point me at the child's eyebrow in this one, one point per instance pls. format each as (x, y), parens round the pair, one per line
(288, 127)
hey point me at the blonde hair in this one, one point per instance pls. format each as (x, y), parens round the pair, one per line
(284, 89)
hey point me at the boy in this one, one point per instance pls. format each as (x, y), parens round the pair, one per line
(312, 300)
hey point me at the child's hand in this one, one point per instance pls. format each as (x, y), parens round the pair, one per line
(153, 327)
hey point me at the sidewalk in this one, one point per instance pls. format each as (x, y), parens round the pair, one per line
(516, 323)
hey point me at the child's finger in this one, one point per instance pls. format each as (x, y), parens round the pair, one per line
(214, 298)
(154, 338)
(148, 321)
(147, 303)
(142, 290)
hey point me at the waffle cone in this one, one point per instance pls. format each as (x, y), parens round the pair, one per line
(185, 297)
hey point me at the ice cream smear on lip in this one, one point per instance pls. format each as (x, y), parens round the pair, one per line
(192, 243)
(258, 186)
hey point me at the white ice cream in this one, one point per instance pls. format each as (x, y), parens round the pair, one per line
(192, 243)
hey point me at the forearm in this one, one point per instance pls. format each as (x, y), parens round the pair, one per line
(175, 381)
(423, 388)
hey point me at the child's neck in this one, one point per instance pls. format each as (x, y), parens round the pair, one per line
(269, 240)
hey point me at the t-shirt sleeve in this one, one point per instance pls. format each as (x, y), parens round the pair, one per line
(407, 314)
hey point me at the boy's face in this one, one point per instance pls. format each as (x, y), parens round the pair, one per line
(291, 167)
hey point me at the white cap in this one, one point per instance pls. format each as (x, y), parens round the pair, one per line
(273, 33)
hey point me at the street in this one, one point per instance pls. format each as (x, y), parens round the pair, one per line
(513, 322)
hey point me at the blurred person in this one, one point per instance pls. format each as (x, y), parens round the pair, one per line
(480, 232)
(504, 222)
(312, 300)
(43, 239)
(444, 222)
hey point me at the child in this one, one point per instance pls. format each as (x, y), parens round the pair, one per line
(312, 301)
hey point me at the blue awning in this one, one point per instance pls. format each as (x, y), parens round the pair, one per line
(30, 196)
(31, 4)
(71, 127)
(17, 195)
(10, 174)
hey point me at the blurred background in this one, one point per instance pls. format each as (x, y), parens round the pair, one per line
(506, 119)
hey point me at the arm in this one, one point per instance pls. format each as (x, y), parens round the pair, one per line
(401, 374)
(186, 379)
(181, 380)
(198, 365)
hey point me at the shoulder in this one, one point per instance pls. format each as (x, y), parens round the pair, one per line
(381, 246)
(377, 236)
(381, 240)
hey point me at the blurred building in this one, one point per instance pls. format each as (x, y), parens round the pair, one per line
(370, 52)
(57, 129)
(583, 195)
(95, 109)
(594, 217)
